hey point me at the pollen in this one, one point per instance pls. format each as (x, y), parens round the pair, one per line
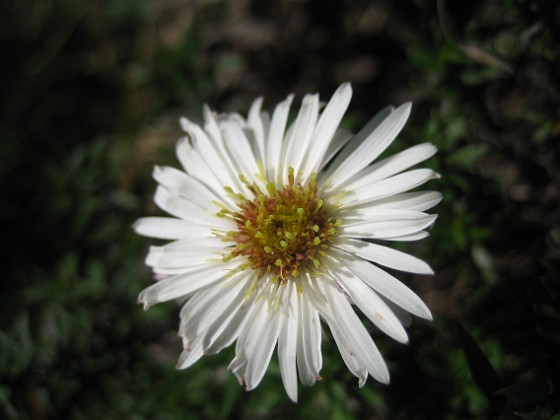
(281, 231)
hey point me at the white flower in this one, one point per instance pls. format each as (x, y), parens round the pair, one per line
(276, 229)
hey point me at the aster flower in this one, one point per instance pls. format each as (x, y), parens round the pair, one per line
(278, 227)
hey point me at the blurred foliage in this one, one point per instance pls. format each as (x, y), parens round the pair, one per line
(90, 96)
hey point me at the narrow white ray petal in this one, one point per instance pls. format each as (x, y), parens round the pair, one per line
(236, 367)
(313, 349)
(230, 330)
(372, 147)
(255, 124)
(170, 228)
(213, 152)
(167, 272)
(392, 165)
(214, 131)
(186, 210)
(287, 341)
(190, 355)
(375, 142)
(184, 284)
(309, 358)
(307, 372)
(340, 138)
(356, 335)
(404, 317)
(194, 319)
(209, 244)
(344, 347)
(387, 187)
(378, 215)
(159, 258)
(265, 122)
(239, 148)
(197, 320)
(299, 138)
(234, 117)
(386, 256)
(407, 238)
(389, 225)
(195, 165)
(248, 342)
(353, 363)
(186, 186)
(414, 201)
(276, 137)
(226, 328)
(354, 143)
(192, 311)
(210, 124)
(326, 128)
(388, 286)
(371, 305)
(247, 339)
(193, 314)
(262, 352)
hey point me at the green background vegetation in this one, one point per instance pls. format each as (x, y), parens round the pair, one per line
(91, 93)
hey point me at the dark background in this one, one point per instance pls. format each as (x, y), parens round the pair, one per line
(90, 96)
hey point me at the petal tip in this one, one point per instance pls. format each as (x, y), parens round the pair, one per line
(141, 301)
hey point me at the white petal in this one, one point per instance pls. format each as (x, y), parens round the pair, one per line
(415, 201)
(388, 225)
(345, 348)
(214, 153)
(248, 342)
(287, 341)
(412, 237)
(326, 128)
(386, 256)
(276, 137)
(372, 147)
(195, 304)
(159, 258)
(309, 359)
(190, 355)
(387, 187)
(299, 138)
(389, 287)
(195, 165)
(350, 326)
(371, 305)
(262, 352)
(392, 165)
(209, 244)
(404, 317)
(265, 121)
(211, 125)
(186, 186)
(226, 329)
(256, 125)
(340, 138)
(193, 311)
(216, 307)
(240, 150)
(180, 207)
(354, 143)
(170, 228)
(184, 284)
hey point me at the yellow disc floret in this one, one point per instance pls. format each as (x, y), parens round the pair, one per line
(281, 231)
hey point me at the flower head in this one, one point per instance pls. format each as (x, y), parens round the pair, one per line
(277, 227)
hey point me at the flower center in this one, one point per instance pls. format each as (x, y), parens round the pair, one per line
(283, 230)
